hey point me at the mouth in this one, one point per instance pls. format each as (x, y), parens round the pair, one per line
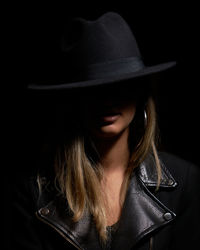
(109, 117)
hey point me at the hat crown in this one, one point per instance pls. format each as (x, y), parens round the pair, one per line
(105, 39)
(95, 53)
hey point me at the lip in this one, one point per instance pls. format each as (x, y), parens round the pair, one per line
(109, 117)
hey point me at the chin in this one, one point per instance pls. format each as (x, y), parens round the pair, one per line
(109, 131)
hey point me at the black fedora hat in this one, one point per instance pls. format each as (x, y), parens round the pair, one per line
(96, 53)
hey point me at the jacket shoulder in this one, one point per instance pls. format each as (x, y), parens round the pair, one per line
(183, 171)
(177, 164)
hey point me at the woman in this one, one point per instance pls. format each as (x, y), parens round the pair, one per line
(107, 186)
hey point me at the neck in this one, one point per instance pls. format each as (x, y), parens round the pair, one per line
(114, 155)
(114, 152)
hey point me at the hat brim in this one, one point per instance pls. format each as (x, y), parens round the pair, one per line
(147, 71)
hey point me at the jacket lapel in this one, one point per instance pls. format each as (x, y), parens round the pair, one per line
(82, 235)
(142, 213)
(148, 174)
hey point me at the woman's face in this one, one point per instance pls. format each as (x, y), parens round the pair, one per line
(108, 111)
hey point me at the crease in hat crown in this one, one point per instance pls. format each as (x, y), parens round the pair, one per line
(108, 38)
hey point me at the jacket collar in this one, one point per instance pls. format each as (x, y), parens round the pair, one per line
(148, 174)
(142, 212)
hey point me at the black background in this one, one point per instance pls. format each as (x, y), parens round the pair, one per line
(164, 31)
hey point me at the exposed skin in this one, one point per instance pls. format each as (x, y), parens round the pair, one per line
(107, 117)
(108, 112)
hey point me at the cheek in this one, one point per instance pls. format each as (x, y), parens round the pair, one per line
(128, 114)
(88, 117)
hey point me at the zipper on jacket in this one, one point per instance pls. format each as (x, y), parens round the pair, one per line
(58, 231)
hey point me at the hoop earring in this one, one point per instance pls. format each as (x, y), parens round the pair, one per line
(145, 118)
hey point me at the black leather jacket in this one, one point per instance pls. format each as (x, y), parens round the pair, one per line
(149, 219)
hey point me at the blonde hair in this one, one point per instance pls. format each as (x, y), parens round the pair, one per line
(79, 175)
